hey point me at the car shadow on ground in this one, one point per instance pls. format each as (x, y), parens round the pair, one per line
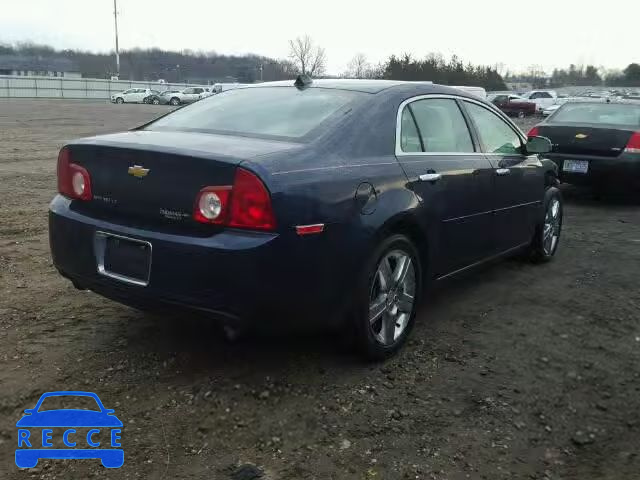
(588, 197)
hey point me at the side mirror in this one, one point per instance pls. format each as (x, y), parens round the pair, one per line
(538, 145)
(29, 411)
(109, 411)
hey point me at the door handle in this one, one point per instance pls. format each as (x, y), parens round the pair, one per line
(503, 171)
(430, 177)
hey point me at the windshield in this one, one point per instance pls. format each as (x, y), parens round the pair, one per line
(268, 111)
(609, 113)
(62, 402)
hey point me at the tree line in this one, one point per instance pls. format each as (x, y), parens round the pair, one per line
(305, 56)
(579, 75)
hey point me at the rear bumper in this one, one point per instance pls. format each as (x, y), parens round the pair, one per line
(233, 276)
(622, 171)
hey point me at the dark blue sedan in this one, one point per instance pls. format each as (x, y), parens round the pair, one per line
(330, 203)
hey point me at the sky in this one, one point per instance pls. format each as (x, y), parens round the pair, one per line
(512, 34)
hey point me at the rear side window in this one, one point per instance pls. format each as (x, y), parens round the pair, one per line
(409, 136)
(495, 134)
(262, 111)
(441, 125)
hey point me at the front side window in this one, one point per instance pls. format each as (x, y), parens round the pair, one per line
(261, 111)
(495, 134)
(188, 90)
(441, 125)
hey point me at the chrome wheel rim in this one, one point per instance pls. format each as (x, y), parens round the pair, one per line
(551, 230)
(392, 297)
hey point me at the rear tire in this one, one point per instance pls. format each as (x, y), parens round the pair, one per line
(547, 236)
(387, 298)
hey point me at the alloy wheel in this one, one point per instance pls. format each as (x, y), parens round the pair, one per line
(552, 224)
(392, 297)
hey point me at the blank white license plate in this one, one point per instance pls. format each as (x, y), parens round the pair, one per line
(575, 166)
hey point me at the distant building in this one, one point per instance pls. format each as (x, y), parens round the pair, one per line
(20, 65)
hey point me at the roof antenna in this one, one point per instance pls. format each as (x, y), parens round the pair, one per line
(303, 81)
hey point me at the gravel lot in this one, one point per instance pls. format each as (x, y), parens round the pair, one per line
(518, 371)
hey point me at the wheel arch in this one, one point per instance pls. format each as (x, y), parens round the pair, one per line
(407, 224)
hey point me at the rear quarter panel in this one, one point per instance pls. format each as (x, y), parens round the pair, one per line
(350, 181)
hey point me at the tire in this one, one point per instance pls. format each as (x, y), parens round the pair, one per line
(155, 101)
(547, 236)
(120, 100)
(175, 101)
(391, 303)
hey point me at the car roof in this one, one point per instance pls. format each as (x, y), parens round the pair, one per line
(367, 86)
(400, 87)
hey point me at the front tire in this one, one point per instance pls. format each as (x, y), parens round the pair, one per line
(547, 237)
(387, 298)
(120, 100)
(175, 101)
(155, 101)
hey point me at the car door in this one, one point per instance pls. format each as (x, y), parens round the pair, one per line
(452, 180)
(518, 178)
(128, 95)
(187, 95)
(140, 94)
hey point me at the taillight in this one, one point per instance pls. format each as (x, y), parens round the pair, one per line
(633, 145)
(245, 204)
(533, 132)
(73, 180)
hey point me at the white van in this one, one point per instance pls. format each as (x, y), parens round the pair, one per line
(477, 91)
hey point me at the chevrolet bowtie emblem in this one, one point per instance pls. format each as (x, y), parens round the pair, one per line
(581, 136)
(138, 171)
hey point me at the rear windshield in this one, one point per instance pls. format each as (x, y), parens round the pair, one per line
(264, 111)
(609, 113)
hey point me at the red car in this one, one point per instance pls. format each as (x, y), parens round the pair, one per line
(513, 105)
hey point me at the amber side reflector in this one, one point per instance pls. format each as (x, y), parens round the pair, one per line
(310, 229)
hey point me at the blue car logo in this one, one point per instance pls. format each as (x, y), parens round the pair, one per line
(69, 433)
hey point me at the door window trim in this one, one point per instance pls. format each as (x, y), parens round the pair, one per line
(456, 99)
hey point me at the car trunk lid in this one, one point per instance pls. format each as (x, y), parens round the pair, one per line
(585, 139)
(152, 178)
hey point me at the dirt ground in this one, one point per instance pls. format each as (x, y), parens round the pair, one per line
(517, 371)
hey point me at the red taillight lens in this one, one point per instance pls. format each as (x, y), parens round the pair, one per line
(246, 204)
(533, 132)
(73, 180)
(251, 203)
(633, 145)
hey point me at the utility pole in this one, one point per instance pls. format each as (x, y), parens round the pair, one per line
(115, 19)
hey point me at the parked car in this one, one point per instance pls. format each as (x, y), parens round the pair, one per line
(160, 98)
(513, 105)
(329, 203)
(550, 109)
(133, 95)
(188, 95)
(595, 143)
(542, 98)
